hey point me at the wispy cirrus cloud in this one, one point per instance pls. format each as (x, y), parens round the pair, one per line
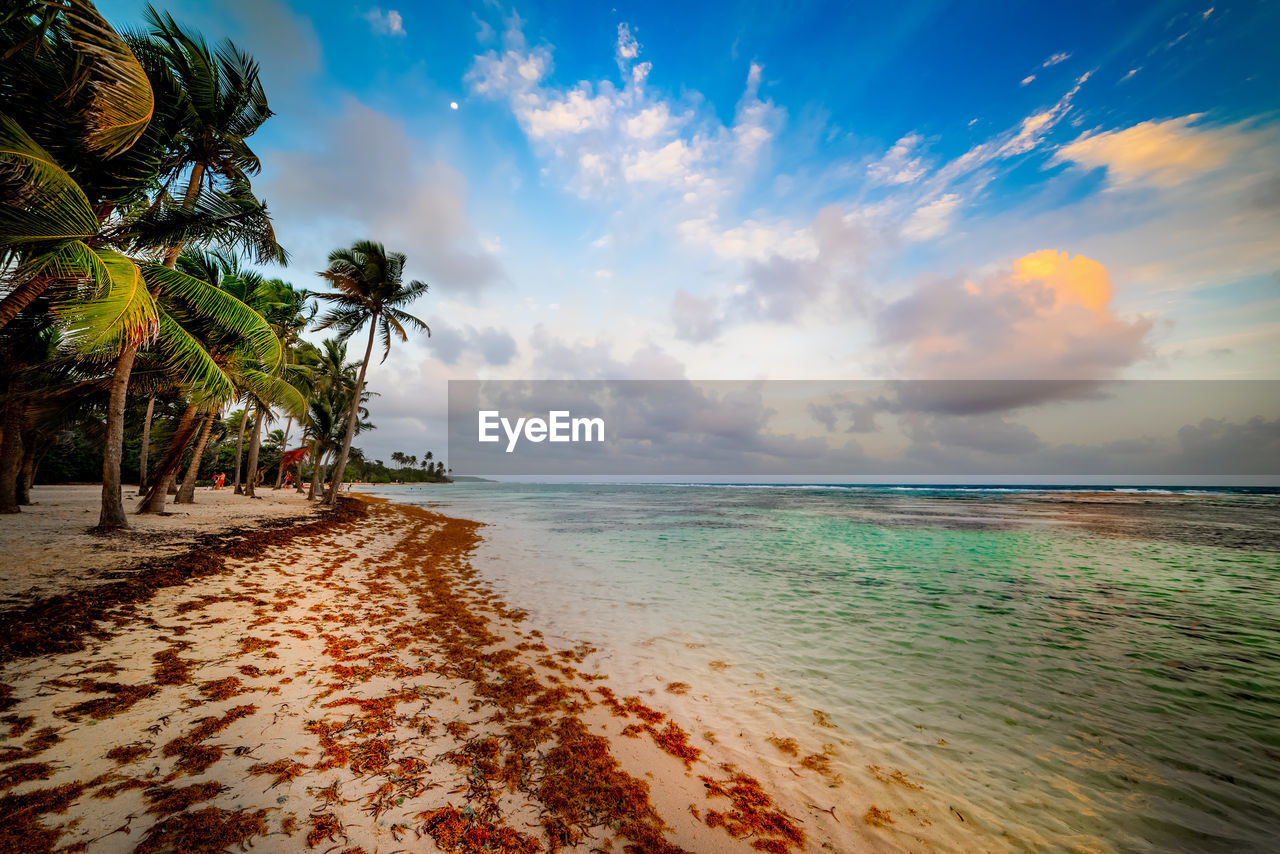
(386, 23)
(1159, 153)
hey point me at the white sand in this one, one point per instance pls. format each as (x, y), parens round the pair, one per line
(304, 632)
(47, 548)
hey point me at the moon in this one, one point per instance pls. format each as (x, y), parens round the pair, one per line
(453, 105)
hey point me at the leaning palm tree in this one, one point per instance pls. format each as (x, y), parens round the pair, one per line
(229, 362)
(243, 372)
(221, 103)
(102, 122)
(370, 290)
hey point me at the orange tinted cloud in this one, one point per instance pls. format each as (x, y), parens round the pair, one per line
(1047, 316)
(1078, 280)
(1163, 153)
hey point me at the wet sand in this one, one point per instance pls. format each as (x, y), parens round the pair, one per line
(338, 683)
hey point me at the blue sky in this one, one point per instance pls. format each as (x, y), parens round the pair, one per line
(784, 191)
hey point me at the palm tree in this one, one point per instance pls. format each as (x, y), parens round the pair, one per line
(237, 421)
(222, 103)
(89, 104)
(334, 380)
(241, 366)
(283, 306)
(231, 363)
(327, 424)
(370, 290)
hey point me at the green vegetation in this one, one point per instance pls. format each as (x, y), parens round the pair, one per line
(127, 226)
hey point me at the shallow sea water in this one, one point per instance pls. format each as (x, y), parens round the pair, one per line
(1057, 670)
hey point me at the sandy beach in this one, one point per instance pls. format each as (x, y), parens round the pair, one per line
(295, 680)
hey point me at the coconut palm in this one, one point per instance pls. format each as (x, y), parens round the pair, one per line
(370, 290)
(286, 310)
(90, 108)
(222, 103)
(242, 371)
(327, 424)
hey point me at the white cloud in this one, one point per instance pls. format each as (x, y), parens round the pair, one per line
(1036, 126)
(649, 122)
(932, 219)
(751, 241)
(628, 48)
(388, 23)
(671, 164)
(577, 111)
(1055, 59)
(899, 165)
(604, 136)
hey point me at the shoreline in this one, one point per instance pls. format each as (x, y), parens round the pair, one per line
(329, 661)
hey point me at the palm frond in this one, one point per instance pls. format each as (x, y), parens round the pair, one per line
(403, 317)
(188, 357)
(125, 313)
(221, 308)
(39, 201)
(121, 101)
(274, 391)
(346, 321)
(232, 219)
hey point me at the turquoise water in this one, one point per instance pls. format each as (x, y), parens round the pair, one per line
(1058, 671)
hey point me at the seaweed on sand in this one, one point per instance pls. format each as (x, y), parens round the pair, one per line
(206, 831)
(61, 623)
(38, 743)
(282, 770)
(24, 772)
(167, 799)
(123, 754)
(753, 814)
(170, 669)
(194, 757)
(325, 827)
(21, 832)
(122, 698)
(454, 830)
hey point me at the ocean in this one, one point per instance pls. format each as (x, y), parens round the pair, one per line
(1000, 669)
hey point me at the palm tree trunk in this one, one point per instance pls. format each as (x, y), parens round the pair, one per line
(318, 466)
(27, 473)
(353, 415)
(193, 190)
(255, 443)
(21, 297)
(244, 419)
(145, 449)
(167, 470)
(284, 447)
(15, 408)
(187, 493)
(112, 513)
